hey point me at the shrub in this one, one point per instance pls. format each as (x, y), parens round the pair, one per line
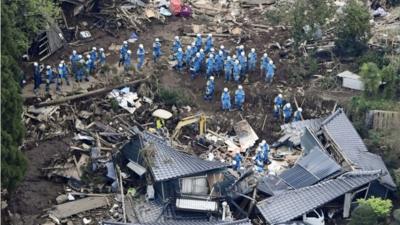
(174, 96)
(363, 215)
(381, 207)
(371, 76)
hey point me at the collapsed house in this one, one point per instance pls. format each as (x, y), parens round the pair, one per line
(336, 169)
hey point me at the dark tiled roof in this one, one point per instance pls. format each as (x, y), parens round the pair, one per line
(188, 222)
(310, 169)
(168, 163)
(292, 204)
(339, 128)
(294, 130)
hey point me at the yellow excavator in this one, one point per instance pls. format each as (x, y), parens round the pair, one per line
(199, 118)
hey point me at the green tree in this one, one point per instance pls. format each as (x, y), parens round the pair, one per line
(363, 215)
(371, 76)
(353, 29)
(307, 17)
(381, 207)
(20, 20)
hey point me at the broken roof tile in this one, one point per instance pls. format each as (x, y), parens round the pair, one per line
(168, 163)
(291, 204)
(294, 130)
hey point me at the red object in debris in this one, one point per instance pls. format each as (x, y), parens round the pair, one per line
(175, 7)
(186, 11)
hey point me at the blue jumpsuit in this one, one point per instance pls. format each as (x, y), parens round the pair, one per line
(236, 72)
(127, 63)
(270, 72)
(140, 54)
(198, 42)
(176, 45)
(265, 151)
(252, 61)
(287, 113)
(37, 77)
(122, 53)
(93, 56)
(297, 116)
(210, 67)
(238, 51)
(80, 70)
(195, 67)
(49, 78)
(228, 69)
(239, 98)
(238, 160)
(259, 162)
(276, 111)
(179, 57)
(74, 58)
(219, 64)
(89, 67)
(156, 50)
(243, 64)
(226, 101)
(209, 90)
(278, 101)
(209, 44)
(188, 57)
(65, 73)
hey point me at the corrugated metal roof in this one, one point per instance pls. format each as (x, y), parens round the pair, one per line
(310, 169)
(196, 204)
(291, 204)
(168, 163)
(187, 222)
(339, 128)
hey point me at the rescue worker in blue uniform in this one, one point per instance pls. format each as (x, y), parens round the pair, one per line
(74, 58)
(179, 58)
(49, 77)
(122, 52)
(176, 45)
(259, 160)
(62, 73)
(102, 57)
(297, 115)
(287, 112)
(194, 49)
(264, 63)
(37, 77)
(278, 100)
(81, 69)
(89, 66)
(219, 63)
(222, 48)
(195, 66)
(93, 57)
(228, 68)
(209, 89)
(237, 161)
(243, 63)
(65, 72)
(265, 151)
(188, 56)
(210, 66)
(140, 57)
(270, 72)
(202, 59)
(276, 111)
(236, 71)
(209, 43)
(156, 50)
(239, 97)
(226, 100)
(198, 41)
(252, 59)
(127, 61)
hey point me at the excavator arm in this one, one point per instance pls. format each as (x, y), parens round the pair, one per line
(200, 118)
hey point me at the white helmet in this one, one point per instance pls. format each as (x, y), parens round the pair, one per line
(240, 87)
(271, 62)
(198, 54)
(237, 61)
(62, 61)
(225, 89)
(241, 47)
(60, 65)
(125, 42)
(81, 61)
(201, 50)
(193, 44)
(222, 47)
(228, 57)
(101, 49)
(280, 95)
(260, 144)
(211, 55)
(176, 38)
(234, 56)
(243, 54)
(35, 64)
(288, 105)
(212, 78)
(258, 149)
(80, 56)
(220, 52)
(198, 35)
(263, 142)
(253, 50)
(74, 52)
(210, 35)
(88, 56)
(189, 47)
(179, 49)
(48, 67)
(212, 50)
(141, 46)
(300, 109)
(157, 39)
(265, 55)
(94, 48)
(129, 51)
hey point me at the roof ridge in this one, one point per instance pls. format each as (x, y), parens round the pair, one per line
(332, 116)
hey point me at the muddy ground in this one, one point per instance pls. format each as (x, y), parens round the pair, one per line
(36, 193)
